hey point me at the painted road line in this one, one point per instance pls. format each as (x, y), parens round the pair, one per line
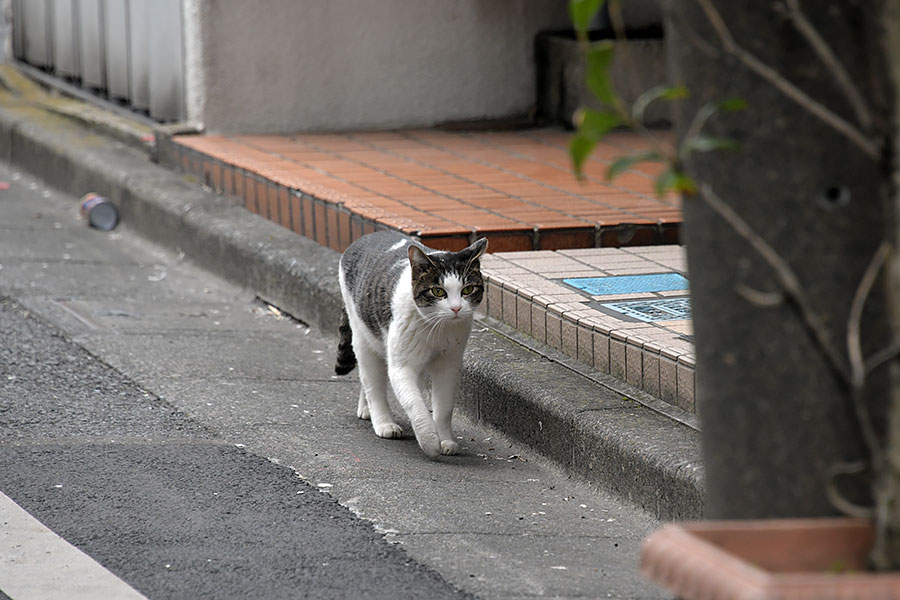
(35, 563)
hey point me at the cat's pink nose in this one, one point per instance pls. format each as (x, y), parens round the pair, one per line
(456, 309)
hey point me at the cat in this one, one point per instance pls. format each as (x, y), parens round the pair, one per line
(407, 315)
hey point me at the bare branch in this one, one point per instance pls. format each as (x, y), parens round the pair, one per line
(701, 117)
(823, 50)
(759, 297)
(868, 146)
(882, 356)
(785, 276)
(691, 35)
(616, 19)
(854, 317)
(835, 496)
(855, 356)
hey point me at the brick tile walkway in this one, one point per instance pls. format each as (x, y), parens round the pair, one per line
(516, 188)
(529, 291)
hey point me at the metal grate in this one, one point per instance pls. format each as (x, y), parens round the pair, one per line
(629, 284)
(667, 309)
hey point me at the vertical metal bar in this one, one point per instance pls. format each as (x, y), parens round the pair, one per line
(115, 23)
(65, 49)
(139, 53)
(36, 48)
(91, 44)
(48, 28)
(18, 30)
(166, 61)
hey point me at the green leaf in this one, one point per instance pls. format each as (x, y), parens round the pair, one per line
(580, 148)
(596, 123)
(708, 143)
(675, 92)
(598, 58)
(660, 92)
(674, 180)
(733, 104)
(592, 126)
(664, 182)
(623, 163)
(583, 11)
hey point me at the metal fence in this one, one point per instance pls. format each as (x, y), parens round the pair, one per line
(128, 51)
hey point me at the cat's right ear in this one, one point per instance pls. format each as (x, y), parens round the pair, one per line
(418, 259)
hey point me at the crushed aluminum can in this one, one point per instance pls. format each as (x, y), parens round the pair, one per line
(99, 212)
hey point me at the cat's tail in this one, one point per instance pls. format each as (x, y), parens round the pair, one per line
(346, 359)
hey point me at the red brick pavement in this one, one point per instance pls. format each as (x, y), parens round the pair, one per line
(516, 188)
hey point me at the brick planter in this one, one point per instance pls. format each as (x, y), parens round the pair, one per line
(784, 559)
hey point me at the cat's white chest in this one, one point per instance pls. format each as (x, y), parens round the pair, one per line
(413, 338)
(416, 339)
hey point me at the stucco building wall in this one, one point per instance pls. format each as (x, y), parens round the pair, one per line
(307, 65)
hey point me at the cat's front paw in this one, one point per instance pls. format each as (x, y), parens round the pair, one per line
(449, 447)
(430, 443)
(388, 430)
(363, 412)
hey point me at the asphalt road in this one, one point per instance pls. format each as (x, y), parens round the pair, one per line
(163, 503)
(194, 442)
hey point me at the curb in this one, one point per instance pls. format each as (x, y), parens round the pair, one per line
(590, 430)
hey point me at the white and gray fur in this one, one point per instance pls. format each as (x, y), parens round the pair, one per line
(407, 317)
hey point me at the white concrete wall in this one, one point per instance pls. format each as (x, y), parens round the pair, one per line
(310, 65)
(6, 13)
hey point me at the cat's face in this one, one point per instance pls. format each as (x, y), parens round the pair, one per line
(447, 285)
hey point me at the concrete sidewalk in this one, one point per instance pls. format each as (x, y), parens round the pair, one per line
(593, 425)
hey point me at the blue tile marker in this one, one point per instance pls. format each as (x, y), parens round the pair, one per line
(629, 284)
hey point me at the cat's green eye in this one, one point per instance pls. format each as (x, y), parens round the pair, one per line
(438, 292)
(468, 290)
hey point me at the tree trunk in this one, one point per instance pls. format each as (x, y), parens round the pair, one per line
(887, 549)
(812, 179)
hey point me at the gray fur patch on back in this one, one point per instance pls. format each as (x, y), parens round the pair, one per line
(371, 266)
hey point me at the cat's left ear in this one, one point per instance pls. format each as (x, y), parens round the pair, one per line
(475, 250)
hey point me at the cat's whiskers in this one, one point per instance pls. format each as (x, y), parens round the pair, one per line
(434, 325)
